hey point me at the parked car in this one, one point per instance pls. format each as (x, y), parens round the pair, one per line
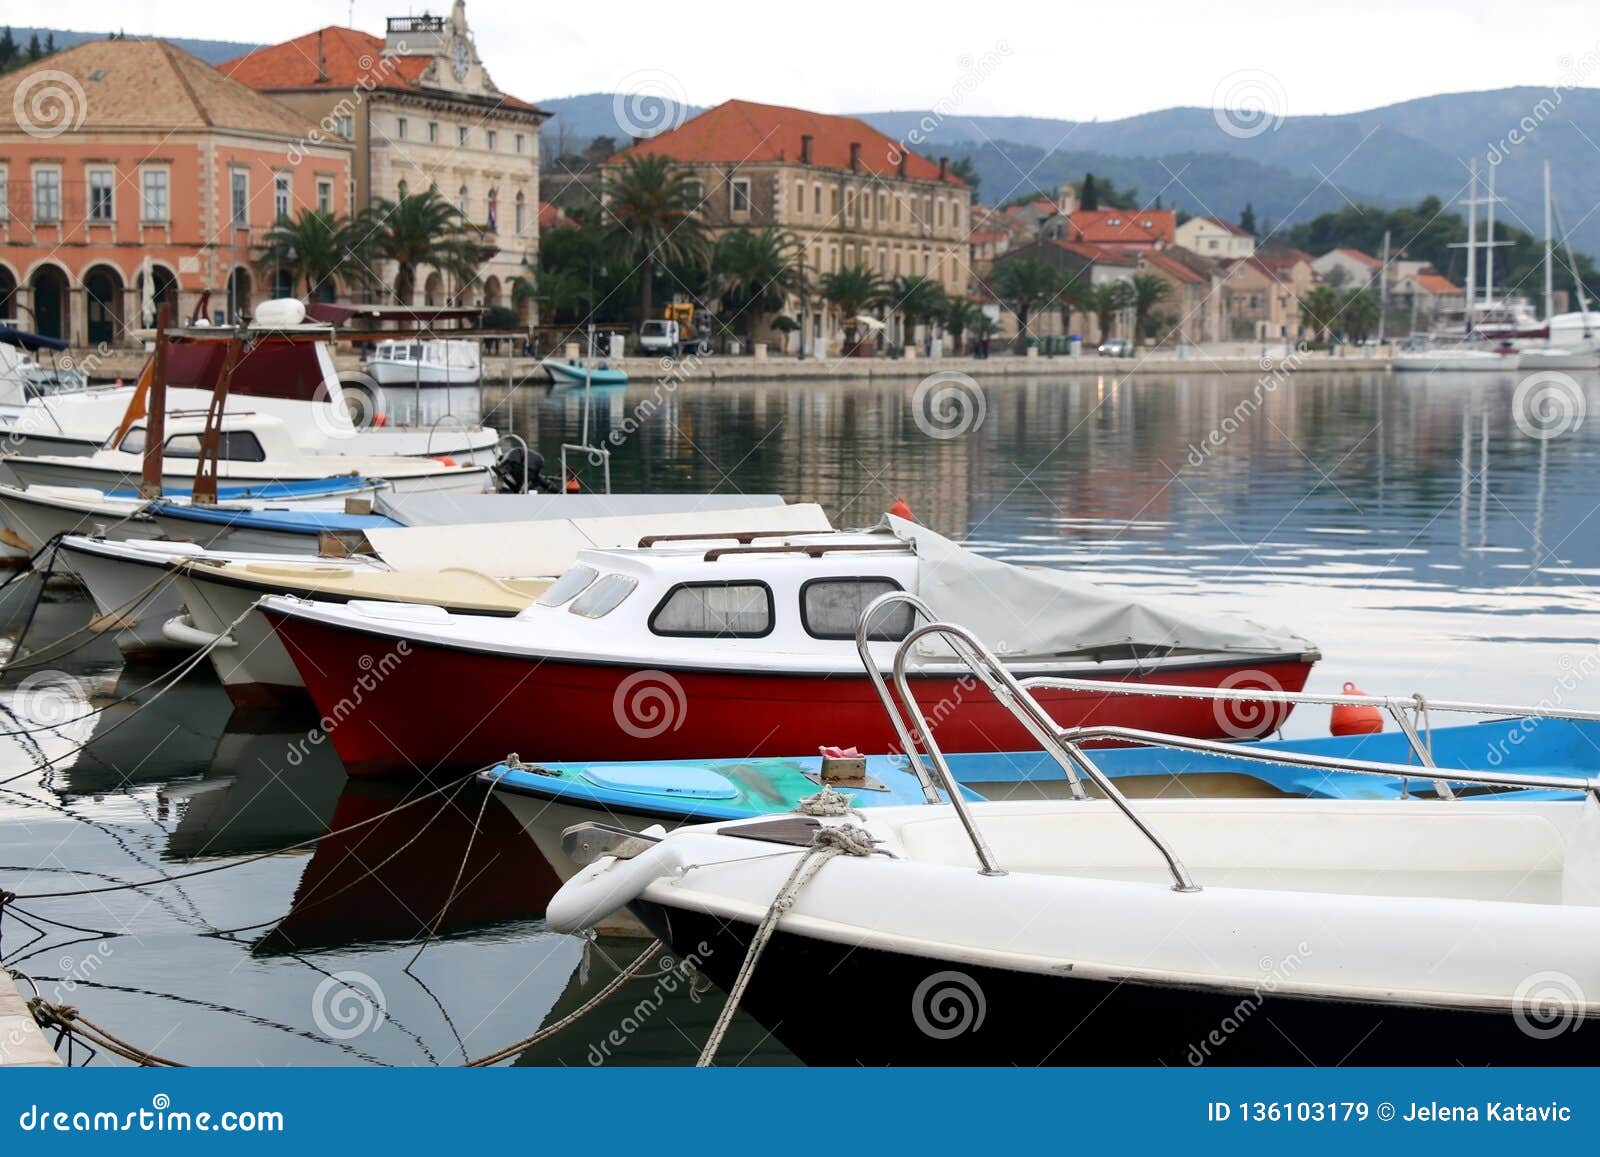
(1117, 347)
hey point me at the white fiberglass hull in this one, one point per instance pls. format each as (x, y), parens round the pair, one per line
(133, 593)
(413, 374)
(1454, 361)
(31, 518)
(404, 477)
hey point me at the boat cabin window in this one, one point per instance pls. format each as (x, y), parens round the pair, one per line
(604, 596)
(234, 446)
(830, 608)
(572, 580)
(742, 610)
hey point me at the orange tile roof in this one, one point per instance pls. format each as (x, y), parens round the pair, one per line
(1437, 284)
(1172, 267)
(743, 132)
(1362, 258)
(1102, 254)
(1123, 226)
(335, 58)
(552, 216)
(1229, 226)
(150, 84)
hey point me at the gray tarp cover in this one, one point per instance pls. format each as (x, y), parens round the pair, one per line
(1021, 612)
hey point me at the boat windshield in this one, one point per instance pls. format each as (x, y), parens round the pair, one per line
(604, 596)
(573, 580)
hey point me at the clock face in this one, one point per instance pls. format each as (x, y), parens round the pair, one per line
(460, 59)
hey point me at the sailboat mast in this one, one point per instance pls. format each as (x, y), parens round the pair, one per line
(1472, 243)
(1488, 261)
(1549, 269)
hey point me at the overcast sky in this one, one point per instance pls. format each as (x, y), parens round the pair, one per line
(1067, 60)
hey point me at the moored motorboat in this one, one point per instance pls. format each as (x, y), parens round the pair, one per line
(574, 373)
(493, 569)
(746, 643)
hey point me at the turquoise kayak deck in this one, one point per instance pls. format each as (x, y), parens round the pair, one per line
(689, 791)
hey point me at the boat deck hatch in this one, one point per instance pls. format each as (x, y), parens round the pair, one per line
(682, 780)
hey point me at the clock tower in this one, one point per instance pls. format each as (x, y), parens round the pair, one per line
(446, 42)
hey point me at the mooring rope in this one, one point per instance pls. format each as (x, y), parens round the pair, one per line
(48, 1014)
(826, 843)
(573, 1017)
(46, 655)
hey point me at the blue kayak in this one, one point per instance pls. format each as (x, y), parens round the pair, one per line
(330, 487)
(700, 791)
(282, 520)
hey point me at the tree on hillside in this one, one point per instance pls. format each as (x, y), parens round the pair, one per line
(1089, 194)
(1247, 219)
(964, 168)
(35, 49)
(8, 50)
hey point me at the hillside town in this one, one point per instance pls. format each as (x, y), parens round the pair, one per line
(347, 166)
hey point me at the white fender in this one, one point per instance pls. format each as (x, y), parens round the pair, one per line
(607, 885)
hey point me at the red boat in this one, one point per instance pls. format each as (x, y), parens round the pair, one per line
(678, 651)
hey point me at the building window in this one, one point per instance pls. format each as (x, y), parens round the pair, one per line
(400, 191)
(849, 205)
(5, 200)
(345, 126)
(461, 200)
(741, 195)
(938, 213)
(816, 200)
(433, 132)
(280, 196)
(522, 213)
(799, 198)
(489, 138)
(494, 210)
(692, 188)
(153, 195)
(522, 142)
(324, 195)
(400, 128)
(100, 185)
(883, 208)
(461, 135)
(47, 194)
(240, 214)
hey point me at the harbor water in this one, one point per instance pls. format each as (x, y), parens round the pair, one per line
(1435, 535)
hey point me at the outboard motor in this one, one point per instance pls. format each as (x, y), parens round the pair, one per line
(520, 470)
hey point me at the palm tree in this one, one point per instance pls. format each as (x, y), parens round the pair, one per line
(852, 290)
(563, 293)
(1358, 314)
(317, 247)
(1106, 301)
(757, 271)
(421, 229)
(1319, 310)
(916, 299)
(960, 315)
(1022, 285)
(1148, 292)
(650, 205)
